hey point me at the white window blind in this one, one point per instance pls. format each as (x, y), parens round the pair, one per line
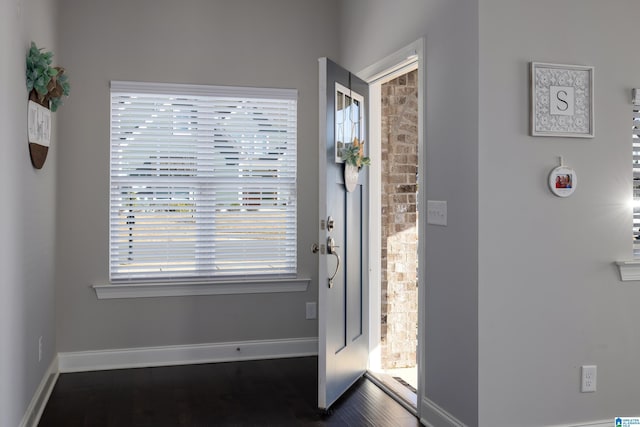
(636, 181)
(203, 182)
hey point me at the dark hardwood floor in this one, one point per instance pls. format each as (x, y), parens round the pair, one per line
(280, 392)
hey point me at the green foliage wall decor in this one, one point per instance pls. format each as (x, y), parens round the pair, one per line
(353, 154)
(48, 83)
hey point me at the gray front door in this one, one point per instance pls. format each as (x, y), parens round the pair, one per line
(343, 266)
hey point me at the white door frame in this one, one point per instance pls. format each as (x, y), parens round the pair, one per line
(376, 74)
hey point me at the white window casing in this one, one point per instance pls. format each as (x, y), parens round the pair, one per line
(203, 183)
(636, 181)
(630, 269)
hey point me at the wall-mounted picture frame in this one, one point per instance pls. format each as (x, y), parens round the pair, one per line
(563, 181)
(561, 100)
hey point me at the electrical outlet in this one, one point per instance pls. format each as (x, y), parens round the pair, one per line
(40, 349)
(589, 377)
(312, 311)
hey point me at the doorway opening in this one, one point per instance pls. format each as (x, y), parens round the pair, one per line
(394, 365)
(399, 231)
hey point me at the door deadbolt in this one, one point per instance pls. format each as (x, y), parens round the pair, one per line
(330, 223)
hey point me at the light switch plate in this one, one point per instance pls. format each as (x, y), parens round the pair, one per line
(437, 212)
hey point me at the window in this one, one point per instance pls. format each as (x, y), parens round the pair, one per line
(636, 181)
(348, 119)
(203, 182)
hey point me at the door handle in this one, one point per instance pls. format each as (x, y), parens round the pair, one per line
(331, 249)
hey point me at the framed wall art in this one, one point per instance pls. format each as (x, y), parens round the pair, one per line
(562, 100)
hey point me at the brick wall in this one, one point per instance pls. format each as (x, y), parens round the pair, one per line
(399, 221)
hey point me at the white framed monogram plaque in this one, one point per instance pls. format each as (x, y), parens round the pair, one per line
(562, 100)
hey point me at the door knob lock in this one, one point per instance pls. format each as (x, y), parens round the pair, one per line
(315, 248)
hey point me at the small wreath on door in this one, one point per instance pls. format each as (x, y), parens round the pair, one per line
(354, 160)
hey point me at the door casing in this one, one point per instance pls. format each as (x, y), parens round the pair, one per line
(376, 74)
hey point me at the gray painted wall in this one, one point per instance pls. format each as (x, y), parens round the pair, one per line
(450, 29)
(521, 283)
(550, 297)
(27, 219)
(243, 43)
(510, 292)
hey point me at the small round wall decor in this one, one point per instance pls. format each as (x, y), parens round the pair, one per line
(563, 181)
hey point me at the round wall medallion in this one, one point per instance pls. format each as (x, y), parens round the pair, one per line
(563, 181)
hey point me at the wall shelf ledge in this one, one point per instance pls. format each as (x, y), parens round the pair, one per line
(629, 270)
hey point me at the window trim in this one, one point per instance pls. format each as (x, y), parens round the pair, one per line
(208, 90)
(630, 269)
(175, 289)
(265, 283)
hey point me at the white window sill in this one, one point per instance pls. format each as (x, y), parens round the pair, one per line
(629, 270)
(146, 290)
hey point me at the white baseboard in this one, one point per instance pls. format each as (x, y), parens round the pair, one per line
(185, 354)
(432, 415)
(34, 411)
(603, 423)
